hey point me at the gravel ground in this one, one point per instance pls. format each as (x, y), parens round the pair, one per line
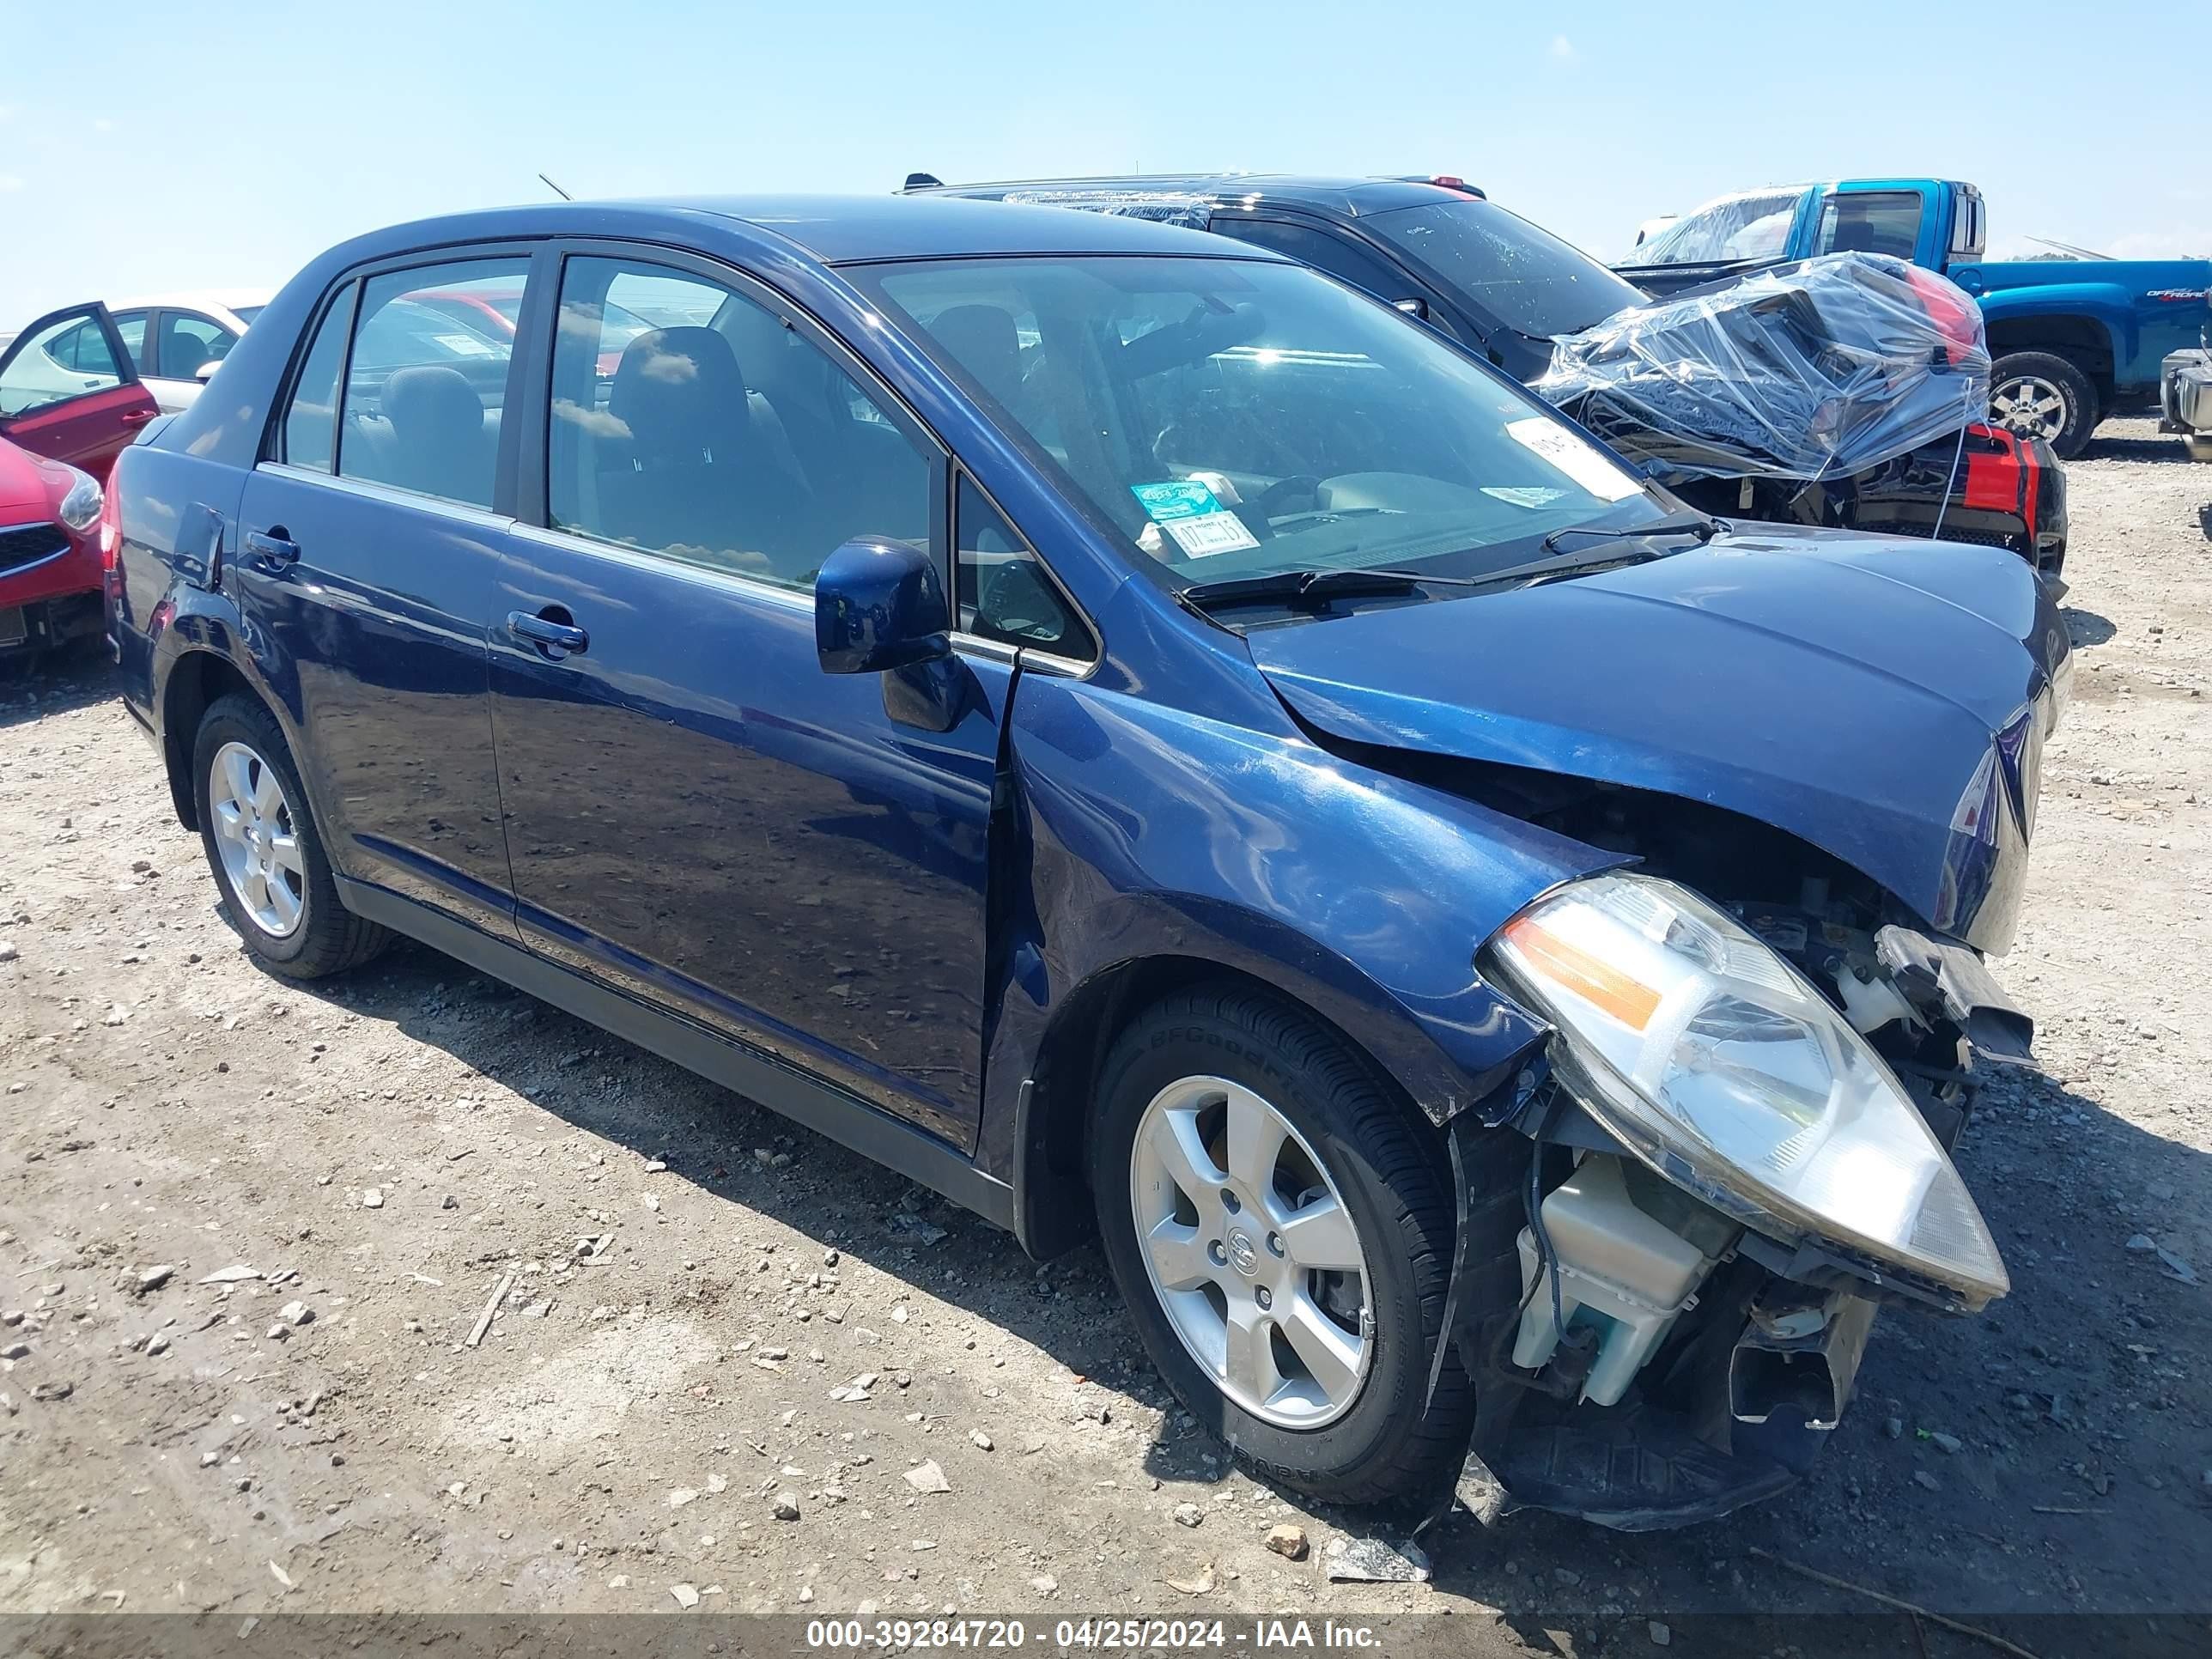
(246, 1226)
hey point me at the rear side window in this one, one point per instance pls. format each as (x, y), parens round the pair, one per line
(311, 422)
(691, 422)
(426, 386)
(1871, 221)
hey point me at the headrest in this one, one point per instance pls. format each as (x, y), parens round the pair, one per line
(679, 392)
(432, 399)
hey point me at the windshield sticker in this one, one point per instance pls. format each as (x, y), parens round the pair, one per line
(1525, 495)
(1587, 464)
(1189, 511)
(1209, 533)
(1179, 498)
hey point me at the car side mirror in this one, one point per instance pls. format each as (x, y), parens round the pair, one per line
(205, 372)
(879, 605)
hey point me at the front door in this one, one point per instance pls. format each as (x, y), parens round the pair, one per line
(697, 813)
(364, 567)
(69, 391)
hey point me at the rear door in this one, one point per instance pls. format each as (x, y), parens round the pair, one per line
(371, 534)
(69, 390)
(699, 815)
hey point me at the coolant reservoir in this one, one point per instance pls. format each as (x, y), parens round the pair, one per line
(1622, 1273)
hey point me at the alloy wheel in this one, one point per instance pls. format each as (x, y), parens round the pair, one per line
(1252, 1252)
(255, 837)
(2029, 405)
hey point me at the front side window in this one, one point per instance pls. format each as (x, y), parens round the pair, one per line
(1336, 255)
(1870, 221)
(1754, 225)
(691, 422)
(1227, 418)
(1527, 278)
(189, 341)
(424, 390)
(66, 356)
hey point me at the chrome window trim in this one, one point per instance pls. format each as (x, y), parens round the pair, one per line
(646, 559)
(391, 494)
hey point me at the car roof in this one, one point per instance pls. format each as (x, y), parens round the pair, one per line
(832, 229)
(197, 299)
(1347, 195)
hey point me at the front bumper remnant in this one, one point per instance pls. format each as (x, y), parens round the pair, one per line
(1732, 1406)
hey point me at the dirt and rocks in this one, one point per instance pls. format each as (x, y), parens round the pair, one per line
(405, 1292)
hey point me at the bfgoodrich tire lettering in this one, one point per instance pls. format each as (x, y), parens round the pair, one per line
(325, 938)
(1395, 1185)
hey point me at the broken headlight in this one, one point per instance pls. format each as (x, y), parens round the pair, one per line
(1713, 1058)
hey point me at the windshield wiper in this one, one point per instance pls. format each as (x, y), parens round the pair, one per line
(1312, 587)
(1697, 524)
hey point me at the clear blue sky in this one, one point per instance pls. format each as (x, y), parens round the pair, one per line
(146, 146)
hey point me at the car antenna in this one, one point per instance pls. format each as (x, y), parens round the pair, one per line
(555, 188)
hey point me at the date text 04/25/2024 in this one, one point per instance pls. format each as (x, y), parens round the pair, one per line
(1103, 1634)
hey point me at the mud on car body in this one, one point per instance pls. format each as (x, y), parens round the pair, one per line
(1134, 734)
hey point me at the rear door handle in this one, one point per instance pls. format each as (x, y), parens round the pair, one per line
(137, 416)
(555, 638)
(271, 552)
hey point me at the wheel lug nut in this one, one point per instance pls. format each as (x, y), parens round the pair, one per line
(1264, 1297)
(1228, 1201)
(1217, 1255)
(1274, 1244)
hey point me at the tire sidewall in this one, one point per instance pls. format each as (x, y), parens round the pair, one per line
(230, 721)
(1159, 1052)
(2073, 385)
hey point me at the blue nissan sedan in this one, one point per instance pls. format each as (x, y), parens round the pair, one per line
(1145, 739)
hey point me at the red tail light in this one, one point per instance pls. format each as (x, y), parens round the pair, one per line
(1955, 313)
(110, 527)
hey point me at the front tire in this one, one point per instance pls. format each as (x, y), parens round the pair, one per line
(262, 845)
(1281, 1230)
(2039, 395)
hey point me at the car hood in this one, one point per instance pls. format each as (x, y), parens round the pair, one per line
(1885, 700)
(23, 486)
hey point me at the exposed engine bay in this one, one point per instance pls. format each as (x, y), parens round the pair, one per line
(1644, 1358)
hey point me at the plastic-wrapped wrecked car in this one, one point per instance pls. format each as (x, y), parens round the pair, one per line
(1129, 732)
(1782, 392)
(1509, 290)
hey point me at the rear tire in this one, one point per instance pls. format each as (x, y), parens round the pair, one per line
(263, 848)
(2039, 395)
(1374, 1438)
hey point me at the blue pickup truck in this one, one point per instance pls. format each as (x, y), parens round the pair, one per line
(2072, 340)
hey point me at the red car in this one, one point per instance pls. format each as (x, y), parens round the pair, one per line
(70, 403)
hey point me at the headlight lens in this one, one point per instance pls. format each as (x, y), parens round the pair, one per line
(80, 508)
(1710, 1049)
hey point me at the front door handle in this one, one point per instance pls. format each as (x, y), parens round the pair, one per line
(137, 416)
(271, 551)
(554, 637)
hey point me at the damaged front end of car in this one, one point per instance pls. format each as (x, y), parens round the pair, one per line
(1736, 1146)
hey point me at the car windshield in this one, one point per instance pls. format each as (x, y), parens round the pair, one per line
(1750, 225)
(1230, 418)
(1527, 278)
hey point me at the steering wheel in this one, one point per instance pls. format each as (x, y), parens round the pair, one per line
(1273, 500)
